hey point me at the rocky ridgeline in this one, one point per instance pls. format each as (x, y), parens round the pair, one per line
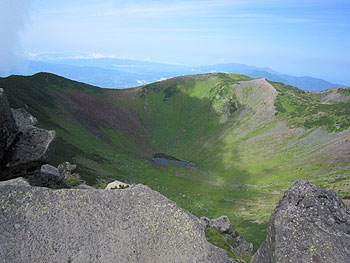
(8, 129)
(26, 150)
(223, 225)
(137, 224)
(24, 147)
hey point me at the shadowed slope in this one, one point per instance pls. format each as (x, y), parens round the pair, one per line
(90, 126)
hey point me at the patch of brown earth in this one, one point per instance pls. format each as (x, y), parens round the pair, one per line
(275, 192)
(95, 112)
(334, 96)
(346, 202)
(260, 222)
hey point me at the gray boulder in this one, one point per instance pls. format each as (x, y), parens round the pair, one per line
(136, 224)
(8, 129)
(309, 224)
(240, 245)
(205, 221)
(67, 171)
(24, 147)
(32, 148)
(23, 119)
(236, 240)
(48, 177)
(222, 224)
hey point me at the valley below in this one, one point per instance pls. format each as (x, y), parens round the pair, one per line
(238, 143)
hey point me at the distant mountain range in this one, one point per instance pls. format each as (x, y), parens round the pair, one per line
(126, 73)
(305, 82)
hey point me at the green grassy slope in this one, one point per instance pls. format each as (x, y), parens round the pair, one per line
(249, 138)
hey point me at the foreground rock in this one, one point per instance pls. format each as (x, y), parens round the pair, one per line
(309, 224)
(135, 224)
(16, 182)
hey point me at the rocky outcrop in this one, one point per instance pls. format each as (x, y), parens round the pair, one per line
(48, 176)
(66, 170)
(136, 224)
(24, 147)
(222, 224)
(31, 149)
(239, 244)
(23, 119)
(205, 221)
(234, 239)
(8, 129)
(309, 224)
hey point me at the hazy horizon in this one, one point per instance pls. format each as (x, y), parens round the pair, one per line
(301, 38)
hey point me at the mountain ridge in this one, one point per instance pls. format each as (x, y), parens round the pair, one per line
(126, 73)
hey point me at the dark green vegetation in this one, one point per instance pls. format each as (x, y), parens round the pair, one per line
(120, 187)
(304, 109)
(73, 182)
(219, 240)
(248, 141)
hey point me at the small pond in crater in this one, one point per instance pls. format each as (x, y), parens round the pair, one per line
(163, 159)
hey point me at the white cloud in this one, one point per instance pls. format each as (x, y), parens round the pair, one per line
(141, 81)
(97, 55)
(13, 14)
(90, 56)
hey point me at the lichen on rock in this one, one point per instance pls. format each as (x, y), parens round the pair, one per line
(71, 225)
(309, 224)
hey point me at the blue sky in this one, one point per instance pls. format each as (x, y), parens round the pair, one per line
(306, 37)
